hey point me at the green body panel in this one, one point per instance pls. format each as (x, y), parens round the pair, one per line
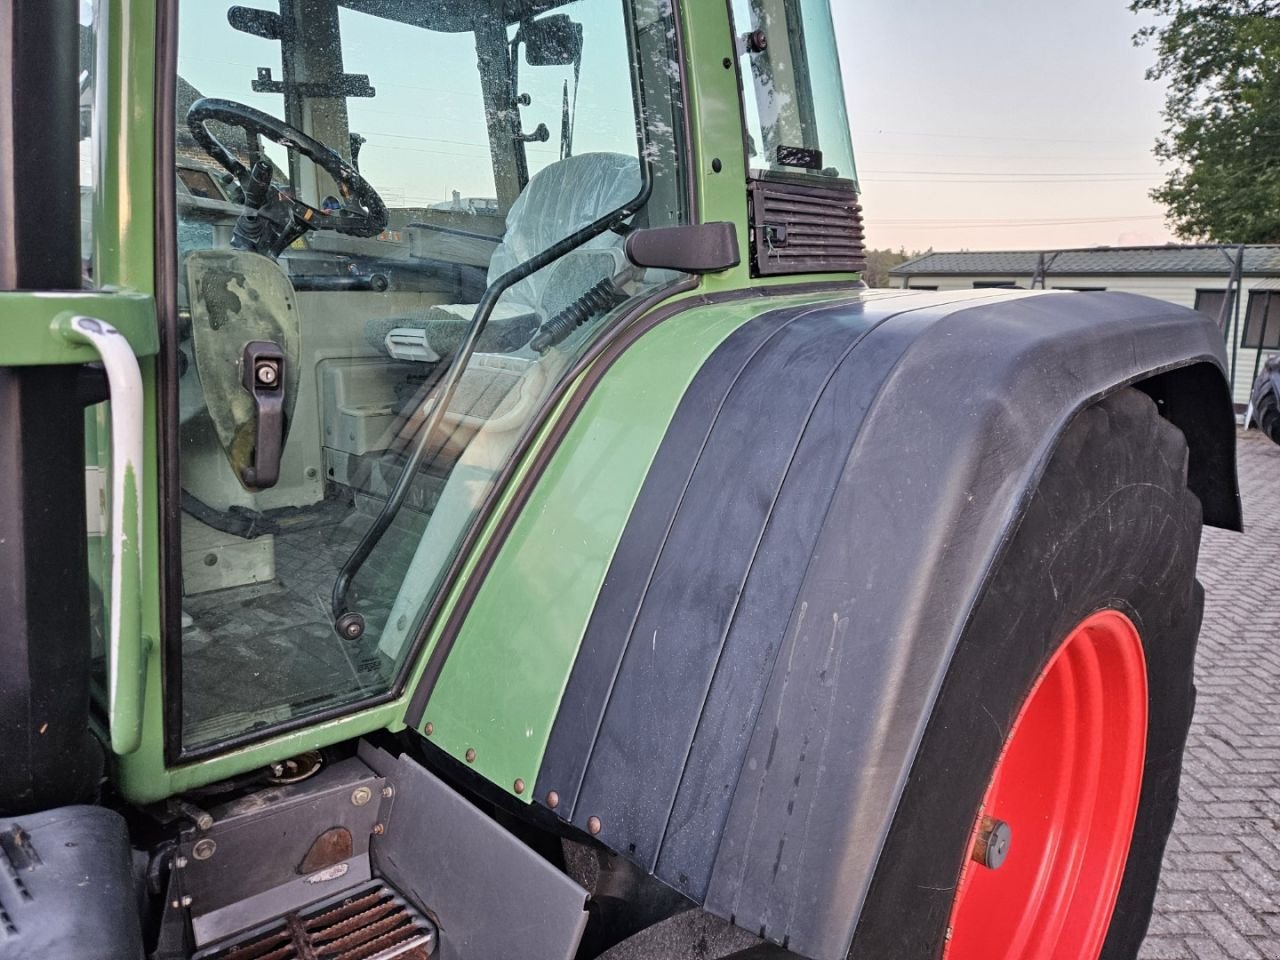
(31, 320)
(124, 257)
(715, 121)
(124, 114)
(500, 689)
(143, 777)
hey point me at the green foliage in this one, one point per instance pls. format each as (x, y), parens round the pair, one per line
(880, 262)
(1221, 59)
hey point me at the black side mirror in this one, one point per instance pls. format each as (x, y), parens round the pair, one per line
(553, 41)
(692, 248)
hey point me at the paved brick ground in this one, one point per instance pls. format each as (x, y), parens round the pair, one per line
(1220, 892)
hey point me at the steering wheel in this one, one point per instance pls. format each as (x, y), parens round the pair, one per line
(360, 212)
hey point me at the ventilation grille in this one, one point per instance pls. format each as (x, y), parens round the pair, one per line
(798, 228)
(372, 923)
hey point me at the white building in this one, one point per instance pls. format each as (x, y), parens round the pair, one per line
(1191, 276)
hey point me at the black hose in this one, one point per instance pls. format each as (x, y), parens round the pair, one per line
(599, 300)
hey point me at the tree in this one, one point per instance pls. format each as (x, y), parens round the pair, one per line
(1221, 59)
(880, 262)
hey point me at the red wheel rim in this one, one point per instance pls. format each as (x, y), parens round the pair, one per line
(1067, 785)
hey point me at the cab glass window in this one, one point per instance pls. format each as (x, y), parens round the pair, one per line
(360, 183)
(792, 97)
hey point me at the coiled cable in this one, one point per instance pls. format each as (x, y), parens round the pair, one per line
(598, 300)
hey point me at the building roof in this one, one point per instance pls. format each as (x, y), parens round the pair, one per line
(1259, 260)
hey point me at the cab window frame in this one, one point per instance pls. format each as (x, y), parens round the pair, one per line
(845, 181)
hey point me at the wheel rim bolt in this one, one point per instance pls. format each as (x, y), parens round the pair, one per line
(991, 846)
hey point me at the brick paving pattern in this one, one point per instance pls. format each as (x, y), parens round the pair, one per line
(1220, 892)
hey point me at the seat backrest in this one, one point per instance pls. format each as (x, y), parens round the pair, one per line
(560, 199)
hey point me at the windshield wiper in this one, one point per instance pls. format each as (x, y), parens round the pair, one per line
(349, 624)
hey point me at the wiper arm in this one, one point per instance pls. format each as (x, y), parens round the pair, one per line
(347, 623)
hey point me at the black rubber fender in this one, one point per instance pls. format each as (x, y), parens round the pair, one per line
(1111, 526)
(756, 766)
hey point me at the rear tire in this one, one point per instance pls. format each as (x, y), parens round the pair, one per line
(1111, 527)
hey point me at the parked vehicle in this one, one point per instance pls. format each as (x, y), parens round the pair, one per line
(606, 574)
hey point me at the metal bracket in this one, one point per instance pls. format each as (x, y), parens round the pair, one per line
(343, 85)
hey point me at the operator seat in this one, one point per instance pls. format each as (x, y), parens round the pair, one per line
(560, 199)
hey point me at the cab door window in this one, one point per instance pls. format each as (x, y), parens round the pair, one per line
(352, 177)
(793, 102)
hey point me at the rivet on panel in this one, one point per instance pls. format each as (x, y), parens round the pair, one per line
(471, 755)
(593, 825)
(553, 799)
(429, 729)
(519, 785)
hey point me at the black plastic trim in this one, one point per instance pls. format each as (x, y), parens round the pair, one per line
(168, 373)
(744, 414)
(67, 887)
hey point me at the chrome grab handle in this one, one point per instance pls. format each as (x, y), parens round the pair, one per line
(126, 648)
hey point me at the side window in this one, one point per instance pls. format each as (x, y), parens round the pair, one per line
(1210, 303)
(1262, 321)
(795, 114)
(351, 183)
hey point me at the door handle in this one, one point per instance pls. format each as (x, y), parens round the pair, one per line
(126, 648)
(263, 376)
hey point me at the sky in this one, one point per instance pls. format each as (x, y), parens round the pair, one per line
(977, 124)
(1001, 124)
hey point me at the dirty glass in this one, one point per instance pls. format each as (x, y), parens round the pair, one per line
(792, 96)
(352, 177)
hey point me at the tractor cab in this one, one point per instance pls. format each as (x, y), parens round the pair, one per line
(353, 180)
(400, 226)
(458, 500)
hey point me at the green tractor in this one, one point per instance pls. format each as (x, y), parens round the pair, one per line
(459, 500)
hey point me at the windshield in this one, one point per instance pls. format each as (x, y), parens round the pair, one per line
(352, 178)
